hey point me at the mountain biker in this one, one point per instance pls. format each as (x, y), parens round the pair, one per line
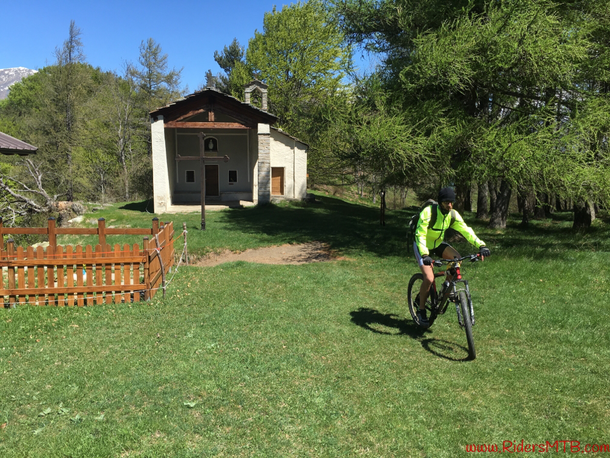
(430, 241)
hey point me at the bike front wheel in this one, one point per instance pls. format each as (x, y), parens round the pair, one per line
(467, 322)
(413, 298)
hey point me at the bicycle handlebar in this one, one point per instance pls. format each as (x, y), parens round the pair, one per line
(472, 257)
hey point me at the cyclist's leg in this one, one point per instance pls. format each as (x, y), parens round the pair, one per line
(428, 274)
(449, 252)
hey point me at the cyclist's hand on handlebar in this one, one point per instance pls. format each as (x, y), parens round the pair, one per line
(427, 260)
(484, 252)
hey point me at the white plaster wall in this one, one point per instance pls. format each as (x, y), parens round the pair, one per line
(300, 171)
(161, 178)
(290, 154)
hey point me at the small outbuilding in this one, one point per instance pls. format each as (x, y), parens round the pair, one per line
(10, 145)
(246, 159)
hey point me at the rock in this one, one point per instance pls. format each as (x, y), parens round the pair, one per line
(78, 208)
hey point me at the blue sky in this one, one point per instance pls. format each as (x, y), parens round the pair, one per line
(188, 31)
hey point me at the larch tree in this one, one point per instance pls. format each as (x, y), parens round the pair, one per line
(156, 85)
(501, 81)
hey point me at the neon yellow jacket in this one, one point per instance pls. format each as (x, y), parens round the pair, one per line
(429, 238)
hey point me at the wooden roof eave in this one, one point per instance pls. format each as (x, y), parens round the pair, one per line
(182, 121)
(11, 145)
(215, 101)
(20, 152)
(205, 125)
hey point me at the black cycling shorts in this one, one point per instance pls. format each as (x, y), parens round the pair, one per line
(436, 253)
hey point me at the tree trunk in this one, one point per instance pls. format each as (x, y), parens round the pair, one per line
(462, 197)
(482, 201)
(382, 209)
(403, 196)
(543, 207)
(583, 216)
(559, 204)
(525, 206)
(493, 195)
(500, 213)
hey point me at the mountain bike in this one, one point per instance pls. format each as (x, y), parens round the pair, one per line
(453, 289)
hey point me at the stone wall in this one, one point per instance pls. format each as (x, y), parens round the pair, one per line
(264, 164)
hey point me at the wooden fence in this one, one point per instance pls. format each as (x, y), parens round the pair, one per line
(68, 276)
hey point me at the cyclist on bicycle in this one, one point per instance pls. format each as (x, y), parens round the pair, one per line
(430, 241)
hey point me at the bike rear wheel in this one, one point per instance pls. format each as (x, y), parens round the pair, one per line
(467, 321)
(413, 298)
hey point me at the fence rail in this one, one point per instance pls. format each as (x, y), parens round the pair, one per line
(52, 231)
(85, 276)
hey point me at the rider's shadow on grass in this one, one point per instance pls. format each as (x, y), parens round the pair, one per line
(386, 323)
(391, 324)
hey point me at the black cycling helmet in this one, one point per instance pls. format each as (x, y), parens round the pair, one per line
(446, 195)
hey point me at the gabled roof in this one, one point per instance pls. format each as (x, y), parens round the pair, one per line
(10, 145)
(211, 100)
(290, 136)
(256, 83)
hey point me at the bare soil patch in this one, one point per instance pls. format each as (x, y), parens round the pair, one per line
(284, 254)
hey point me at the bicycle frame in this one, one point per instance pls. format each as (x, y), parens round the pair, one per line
(451, 293)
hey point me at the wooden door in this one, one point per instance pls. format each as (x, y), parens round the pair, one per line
(277, 181)
(211, 181)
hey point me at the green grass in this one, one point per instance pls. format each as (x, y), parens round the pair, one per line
(321, 359)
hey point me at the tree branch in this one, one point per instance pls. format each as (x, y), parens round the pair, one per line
(19, 195)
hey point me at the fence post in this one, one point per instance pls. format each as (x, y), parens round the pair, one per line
(155, 226)
(1, 237)
(186, 253)
(101, 231)
(1, 268)
(171, 256)
(52, 233)
(161, 250)
(10, 246)
(146, 269)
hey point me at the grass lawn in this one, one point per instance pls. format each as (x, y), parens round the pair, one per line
(319, 359)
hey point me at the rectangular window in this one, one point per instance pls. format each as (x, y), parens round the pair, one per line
(232, 176)
(190, 176)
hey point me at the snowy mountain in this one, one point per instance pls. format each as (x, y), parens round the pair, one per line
(10, 76)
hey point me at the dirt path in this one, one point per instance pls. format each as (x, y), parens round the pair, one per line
(284, 254)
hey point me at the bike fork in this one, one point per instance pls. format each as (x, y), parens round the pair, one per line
(470, 307)
(469, 302)
(459, 313)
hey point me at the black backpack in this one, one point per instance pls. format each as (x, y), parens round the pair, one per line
(414, 221)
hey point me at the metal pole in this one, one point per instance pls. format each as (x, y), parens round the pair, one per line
(202, 161)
